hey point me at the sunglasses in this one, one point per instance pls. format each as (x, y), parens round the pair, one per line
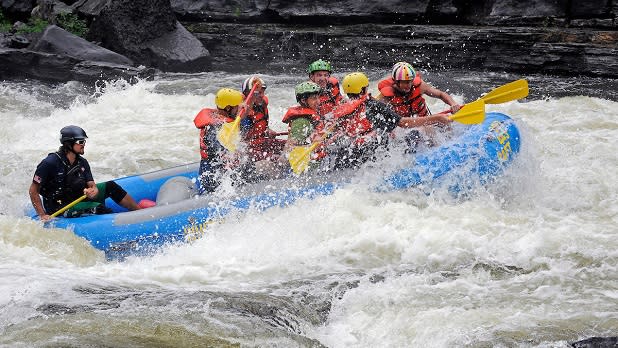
(80, 142)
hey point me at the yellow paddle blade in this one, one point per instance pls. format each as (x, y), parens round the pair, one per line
(506, 93)
(471, 113)
(229, 135)
(300, 156)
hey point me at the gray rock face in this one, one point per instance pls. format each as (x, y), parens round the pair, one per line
(178, 51)
(27, 64)
(597, 342)
(58, 41)
(19, 8)
(147, 32)
(566, 37)
(529, 50)
(90, 8)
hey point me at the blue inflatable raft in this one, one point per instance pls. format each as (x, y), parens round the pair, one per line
(480, 153)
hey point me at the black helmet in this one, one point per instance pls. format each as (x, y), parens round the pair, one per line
(72, 133)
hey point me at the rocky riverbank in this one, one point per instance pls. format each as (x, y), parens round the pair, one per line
(570, 38)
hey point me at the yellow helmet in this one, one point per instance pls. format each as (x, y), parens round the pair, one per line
(355, 82)
(228, 97)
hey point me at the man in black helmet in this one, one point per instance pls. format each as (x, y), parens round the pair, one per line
(64, 176)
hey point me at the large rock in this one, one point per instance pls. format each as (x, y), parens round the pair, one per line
(453, 12)
(26, 64)
(56, 40)
(90, 8)
(529, 50)
(19, 9)
(179, 51)
(147, 32)
(596, 342)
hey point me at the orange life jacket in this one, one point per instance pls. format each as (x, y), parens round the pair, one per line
(318, 126)
(329, 97)
(209, 121)
(407, 105)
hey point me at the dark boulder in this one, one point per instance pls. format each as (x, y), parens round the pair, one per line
(18, 9)
(147, 32)
(27, 64)
(90, 8)
(597, 342)
(179, 51)
(58, 41)
(19, 41)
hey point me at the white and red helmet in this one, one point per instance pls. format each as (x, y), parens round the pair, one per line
(403, 71)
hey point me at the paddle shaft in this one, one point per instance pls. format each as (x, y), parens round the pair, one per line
(229, 133)
(68, 206)
(511, 91)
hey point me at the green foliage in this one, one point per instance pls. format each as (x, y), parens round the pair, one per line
(71, 23)
(35, 25)
(5, 25)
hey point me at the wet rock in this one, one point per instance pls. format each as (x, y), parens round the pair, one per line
(559, 51)
(576, 37)
(19, 9)
(597, 342)
(58, 41)
(501, 35)
(90, 8)
(19, 41)
(27, 64)
(147, 32)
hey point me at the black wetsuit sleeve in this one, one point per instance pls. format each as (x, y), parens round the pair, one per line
(382, 117)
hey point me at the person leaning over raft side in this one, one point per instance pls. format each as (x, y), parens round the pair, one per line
(304, 126)
(404, 91)
(330, 95)
(64, 176)
(260, 139)
(209, 121)
(369, 124)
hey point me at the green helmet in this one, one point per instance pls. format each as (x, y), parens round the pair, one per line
(319, 65)
(305, 89)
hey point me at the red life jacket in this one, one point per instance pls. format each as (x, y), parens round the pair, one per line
(354, 124)
(329, 97)
(318, 126)
(208, 120)
(301, 111)
(258, 115)
(406, 105)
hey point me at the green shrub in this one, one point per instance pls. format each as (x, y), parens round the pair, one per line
(71, 23)
(35, 25)
(5, 25)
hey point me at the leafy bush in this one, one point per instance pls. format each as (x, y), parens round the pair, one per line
(71, 23)
(5, 25)
(35, 25)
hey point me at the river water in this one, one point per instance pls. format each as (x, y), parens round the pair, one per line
(528, 261)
